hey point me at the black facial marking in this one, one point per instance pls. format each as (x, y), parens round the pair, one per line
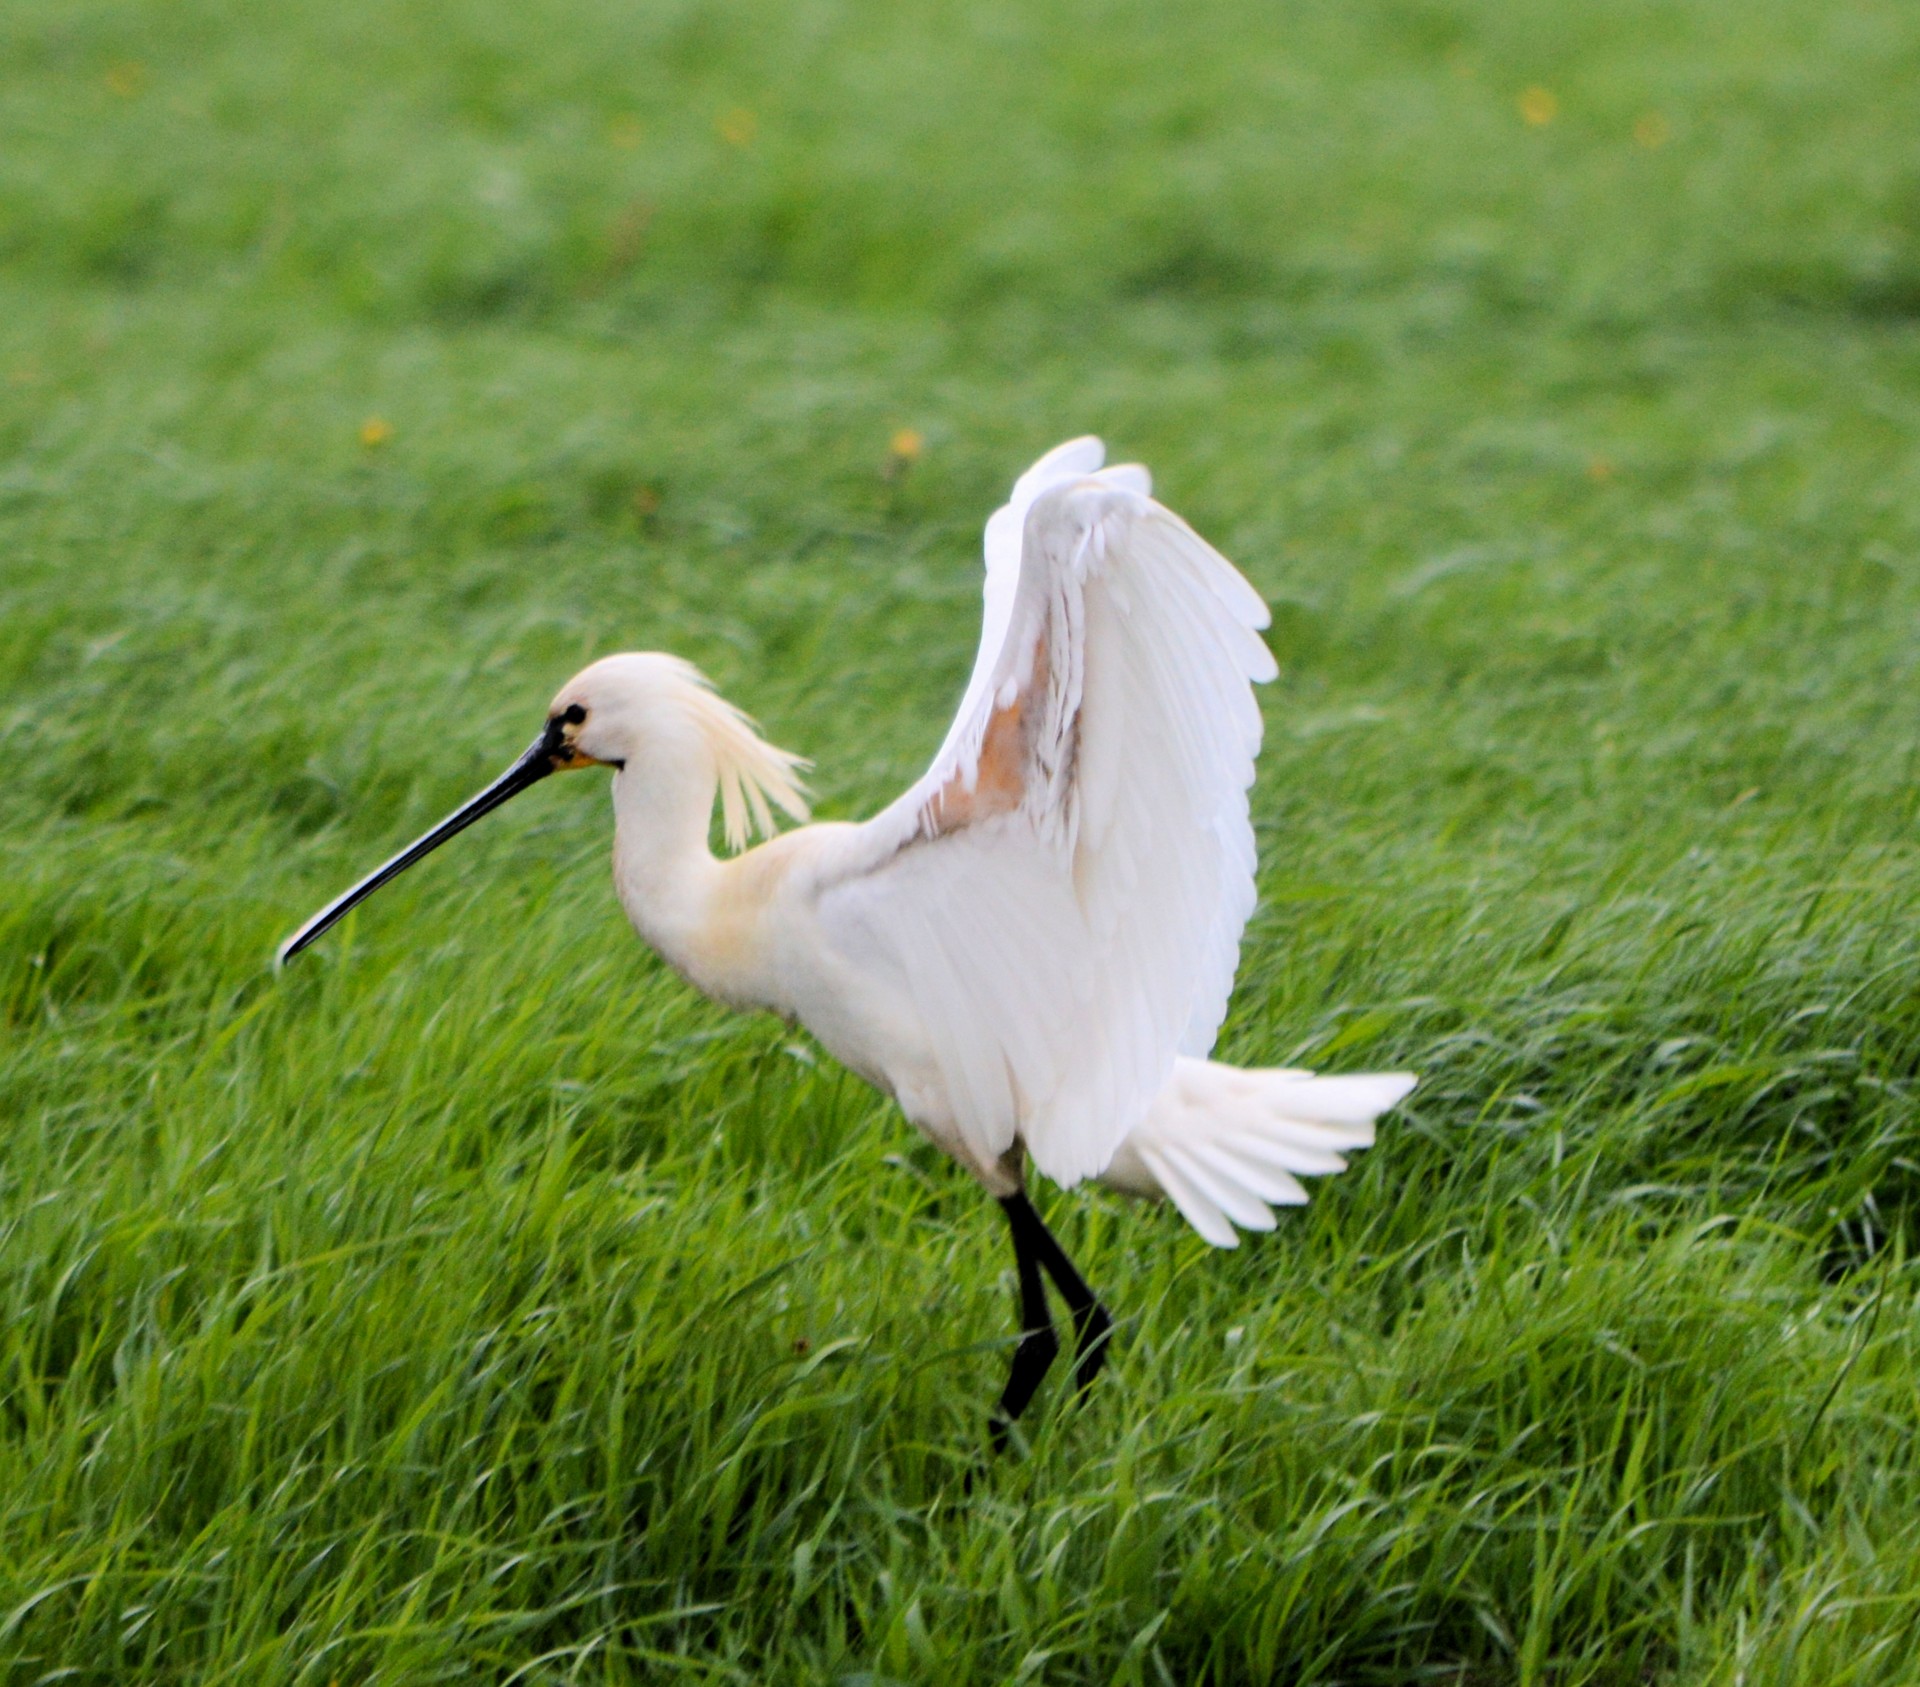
(575, 714)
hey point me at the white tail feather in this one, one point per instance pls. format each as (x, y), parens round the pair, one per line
(1226, 1145)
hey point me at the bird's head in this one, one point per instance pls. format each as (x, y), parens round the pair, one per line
(621, 707)
(648, 707)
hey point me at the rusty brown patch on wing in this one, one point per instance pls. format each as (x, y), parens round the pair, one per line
(1005, 754)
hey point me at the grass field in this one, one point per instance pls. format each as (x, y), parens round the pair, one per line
(472, 1303)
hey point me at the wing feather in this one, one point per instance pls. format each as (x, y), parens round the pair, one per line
(1067, 885)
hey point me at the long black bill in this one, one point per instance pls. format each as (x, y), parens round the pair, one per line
(530, 769)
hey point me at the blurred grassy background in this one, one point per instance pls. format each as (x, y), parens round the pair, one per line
(473, 1303)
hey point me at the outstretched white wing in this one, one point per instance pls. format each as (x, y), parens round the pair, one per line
(1065, 889)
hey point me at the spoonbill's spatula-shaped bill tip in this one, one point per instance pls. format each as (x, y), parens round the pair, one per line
(546, 754)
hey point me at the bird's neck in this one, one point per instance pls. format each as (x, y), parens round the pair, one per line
(662, 865)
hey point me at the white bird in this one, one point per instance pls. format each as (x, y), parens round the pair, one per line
(1031, 950)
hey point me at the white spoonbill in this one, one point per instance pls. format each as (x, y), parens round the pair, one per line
(1031, 950)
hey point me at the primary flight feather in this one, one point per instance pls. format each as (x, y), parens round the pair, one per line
(1032, 949)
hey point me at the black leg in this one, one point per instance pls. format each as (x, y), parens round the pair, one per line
(1038, 1344)
(1092, 1324)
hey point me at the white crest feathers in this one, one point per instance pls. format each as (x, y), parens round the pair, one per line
(755, 776)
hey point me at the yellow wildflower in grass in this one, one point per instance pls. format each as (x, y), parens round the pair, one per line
(1652, 130)
(1600, 470)
(625, 133)
(737, 127)
(375, 431)
(1539, 107)
(124, 80)
(903, 451)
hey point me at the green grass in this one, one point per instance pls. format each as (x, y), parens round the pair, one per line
(472, 1303)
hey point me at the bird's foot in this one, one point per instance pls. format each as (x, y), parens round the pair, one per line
(1032, 1358)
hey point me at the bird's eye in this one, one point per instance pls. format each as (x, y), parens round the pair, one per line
(575, 714)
